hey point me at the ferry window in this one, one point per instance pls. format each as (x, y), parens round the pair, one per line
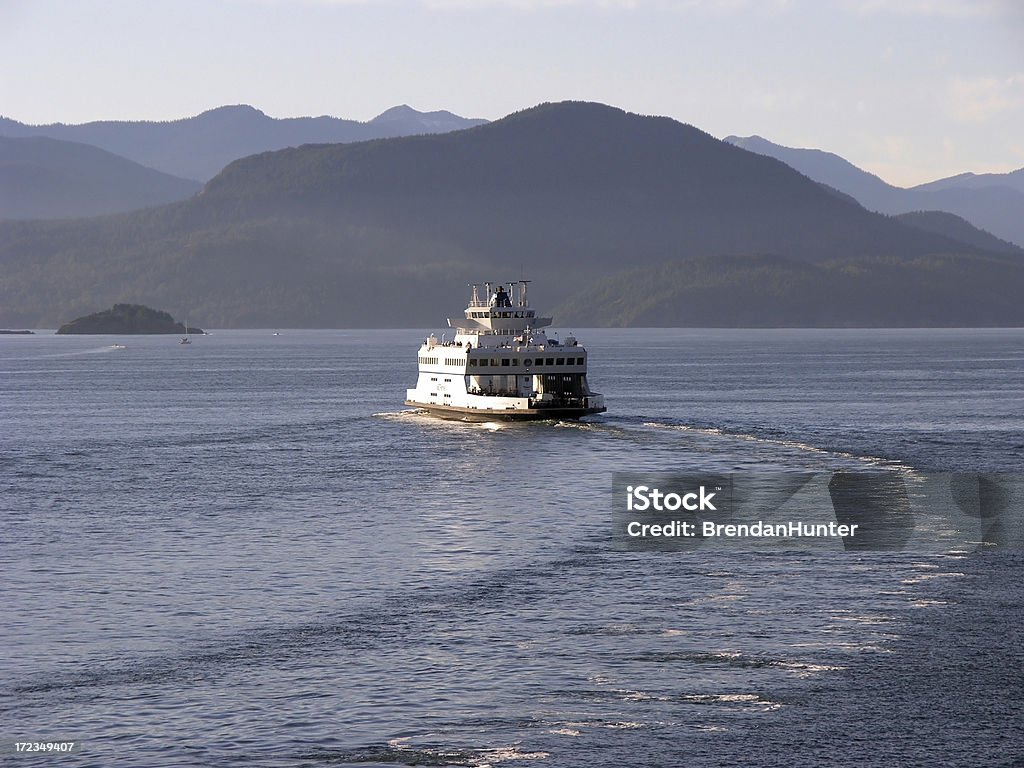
(527, 362)
(549, 361)
(505, 361)
(433, 378)
(494, 361)
(561, 361)
(484, 361)
(472, 362)
(447, 379)
(515, 361)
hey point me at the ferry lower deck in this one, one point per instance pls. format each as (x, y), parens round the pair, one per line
(469, 413)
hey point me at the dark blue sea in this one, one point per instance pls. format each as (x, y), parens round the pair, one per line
(246, 552)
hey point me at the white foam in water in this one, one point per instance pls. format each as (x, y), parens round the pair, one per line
(505, 754)
(782, 443)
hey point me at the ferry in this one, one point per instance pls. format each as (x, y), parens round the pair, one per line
(502, 366)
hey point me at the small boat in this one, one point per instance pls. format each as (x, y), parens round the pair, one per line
(501, 366)
(185, 339)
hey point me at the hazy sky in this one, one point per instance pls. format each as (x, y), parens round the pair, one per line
(912, 90)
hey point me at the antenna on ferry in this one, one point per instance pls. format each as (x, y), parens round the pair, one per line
(522, 293)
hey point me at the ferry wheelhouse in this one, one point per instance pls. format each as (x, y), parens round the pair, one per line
(501, 365)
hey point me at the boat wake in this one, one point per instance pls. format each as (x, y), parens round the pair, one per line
(423, 416)
(403, 414)
(637, 427)
(76, 353)
(797, 445)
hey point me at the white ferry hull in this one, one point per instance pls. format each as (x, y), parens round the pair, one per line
(553, 413)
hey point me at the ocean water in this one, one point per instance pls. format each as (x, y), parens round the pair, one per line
(247, 552)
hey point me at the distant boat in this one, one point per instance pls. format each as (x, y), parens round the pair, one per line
(185, 339)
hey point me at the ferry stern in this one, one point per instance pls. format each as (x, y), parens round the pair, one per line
(502, 366)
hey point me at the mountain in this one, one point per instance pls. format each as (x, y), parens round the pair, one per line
(406, 121)
(952, 226)
(199, 147)
(828, 168)
(780, 292)
(386, 233)
(43, 178)
(992, 202)
(1013, 180)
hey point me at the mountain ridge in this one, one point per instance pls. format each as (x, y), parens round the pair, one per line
(991, 202)
(198, 147)
(386, 233)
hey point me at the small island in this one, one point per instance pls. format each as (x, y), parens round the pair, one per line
(127, 319)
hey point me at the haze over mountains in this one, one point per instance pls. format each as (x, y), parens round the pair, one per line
(43, 178)
(993, 202)
(199, 147)
(630, 219)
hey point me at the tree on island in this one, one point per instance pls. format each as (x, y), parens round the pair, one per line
(127, 319)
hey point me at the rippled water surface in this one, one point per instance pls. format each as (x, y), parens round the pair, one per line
(246, 552)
